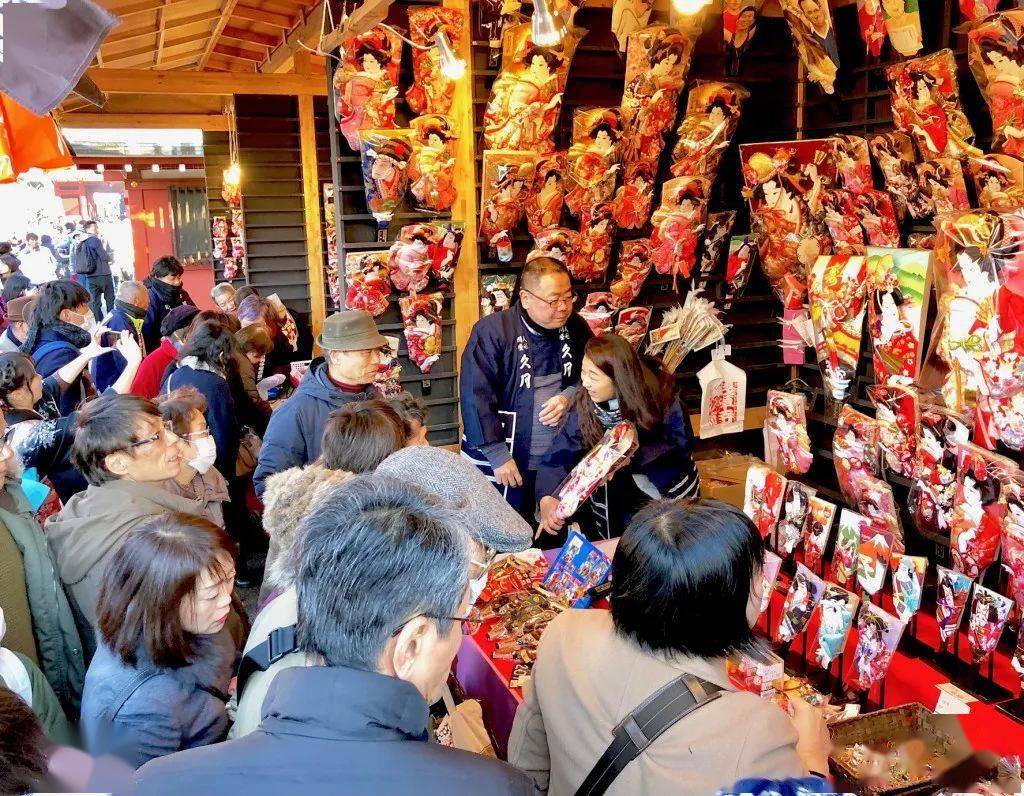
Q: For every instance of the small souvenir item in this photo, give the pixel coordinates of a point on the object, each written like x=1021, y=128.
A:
x=232, y=268
x=597, y=230
x=632, y=270
x=942, y=182
x=853, y=163
x=219, y=227
x=366, y=83
x=989, y=612
x=334, y=282
x=723, y=399
x=389, y=370
x=907, y=584
x=976, y=9
x=877, y=216
x=796, y=507
x=899, y=284
x=578, y=568
x=506, y=180
x=873, y=557
x=444, y=251
x=837, y=293
x=763, y=495
x=559, y=243
x=237, y=247
x=805, y=592
x=677, y=223
x=756, y=669
x=976, y=523
x=856, y=450
x=598, y=312
x=432, y=91
x=431, y=168
x=367, y=282
x=951, y=591
x=896, y=413
x=220, y=248
x=998, y=181
x=934, y=481
x=879, y=634
x=716, y=236
x=712, y=115
x=629, y=16
x=743, y=254
x=502, y=245
x=840, y=207
x=238, y=222
x=593, y=158
x=894, y=153
x=872, y=25
x=421, y=318
x=632, y=324
x=410, y=258
x=926, y=104
x=903, y=24
x=597, y=467
x=810, y=23
x=835, y=617
x=817, y=531
x=787, y=447
x=996, y=56
x=739, y=24
x=657, y=60
x=385, y=161
x=876, y=502
x=634, y=197
x=498, y=291
x=1013, y=542
x=526, y=98
x=844, y=558
x=770, y=567
x=547, y=194
x=684, y=329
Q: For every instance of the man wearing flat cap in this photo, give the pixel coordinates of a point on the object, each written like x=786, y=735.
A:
x=351, y=346
x=18, y=311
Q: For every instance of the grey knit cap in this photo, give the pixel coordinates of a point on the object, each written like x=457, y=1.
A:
x=492, y=521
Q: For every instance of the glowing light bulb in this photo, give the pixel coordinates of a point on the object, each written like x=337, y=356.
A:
x=452, y=67
x=99, y=168
x=181, y=167
x=545, y=30
x=156, y=167
x=128, y=168
x=689, y=7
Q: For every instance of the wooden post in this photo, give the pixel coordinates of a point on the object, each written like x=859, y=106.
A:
x=467, y=277
x=311, y=203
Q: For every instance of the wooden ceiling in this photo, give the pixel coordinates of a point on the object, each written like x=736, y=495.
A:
x=215, y=35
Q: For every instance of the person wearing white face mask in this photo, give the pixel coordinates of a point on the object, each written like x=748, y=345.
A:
x=185, y=409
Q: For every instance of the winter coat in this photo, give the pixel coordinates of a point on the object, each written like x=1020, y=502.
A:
x=162, y=299
x=329, y=730
x=107, y=368
x=9, y=344
x=588, y=677
x=145, y=711
x=51, y=351
x=91, y=527
x=30, y=569
x=91, y=257
x=297, y=426
x=220, y=407
x=253, y=410
x=150, y=374
x=44, y=703
x=210, y=489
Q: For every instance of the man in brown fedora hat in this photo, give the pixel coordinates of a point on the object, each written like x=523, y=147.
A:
x=18, y=311
x=351, y=346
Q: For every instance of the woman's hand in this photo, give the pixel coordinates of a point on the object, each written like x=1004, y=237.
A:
x=550, y=522
x=553, y=410
x=128, y=348
x=813, y=742
x=96, y=347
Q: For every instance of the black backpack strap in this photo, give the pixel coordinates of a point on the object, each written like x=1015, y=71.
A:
x=114, y=706
x=644, y=724
x=279, y=643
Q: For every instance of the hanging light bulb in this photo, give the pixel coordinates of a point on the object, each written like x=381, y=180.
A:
x=99, y=168
x=452, y=67
x=545, y=30
x=156, y=167
x=233, y=175
x=181, y=167
x=128, y=168
x=689, y=7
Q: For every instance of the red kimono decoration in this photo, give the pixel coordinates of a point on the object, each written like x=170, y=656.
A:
x=559, y=243
x=873, y=557
x=876, y=502
x=995, y=52
x=422, y=250
x=632, y=271
x=634, y=197
x=632, y=324
x=599, y=311
x=432, y=166
x=677, y=224
x=712, y=115
x=597, y=230
x=978, y=510
x=942, y=182
x=872, y=25
x=796, y=507
x=926, y=105
x=739, y=24
x=989, y=612
x=743, y=254
x=853, y=163
x=878, y=636
x=445, y=250
x=838, y=293
x=1013, y=542
x=951, y=591
x=657, y=61
x=762, y=500
x=593, y=158
x=366, y=83
x=977, y=9
x=421, y=318
x=877, y=216
x=526, y=98
x=817, y=531
x=506, y=180
x=431, y=91
x=894, y=153
x=385, y=161
x=787, y=447
x=840, y=206
x=367, y=283
x=998, y=182
x=546, y=198
x=856, y=452
x=899, y=288
x=810, y=22
x=934, y=482
x=896, y=412
x=716, y=236
x=903, y=24
x=805, y=592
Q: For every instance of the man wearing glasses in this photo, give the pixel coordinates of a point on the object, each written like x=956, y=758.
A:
x=519, y=371
x=126, y=451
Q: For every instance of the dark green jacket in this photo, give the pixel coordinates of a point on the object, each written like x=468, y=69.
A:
x=61, y=656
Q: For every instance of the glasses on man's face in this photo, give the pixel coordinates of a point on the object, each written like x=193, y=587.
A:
x=165, y=434
x=559, y=301
x=466, y=621
x=194, y=435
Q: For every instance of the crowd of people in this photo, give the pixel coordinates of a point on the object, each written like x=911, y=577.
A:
x=151, y=459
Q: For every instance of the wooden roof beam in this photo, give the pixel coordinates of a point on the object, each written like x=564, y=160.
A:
x=305, y=33
x=157, y=81
x=283, y=21
x=226, y=10
x=142, y=121
x=161, y=33
x=240, y=53
x=169, y=24
x=169, y=44
x=144, y=7
x=250, y=37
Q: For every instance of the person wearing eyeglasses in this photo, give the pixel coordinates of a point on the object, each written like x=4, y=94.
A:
x=383, y=587
x=126, y=451
x=519, y=372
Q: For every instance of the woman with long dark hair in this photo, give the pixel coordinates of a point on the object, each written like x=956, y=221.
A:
x=618, y=385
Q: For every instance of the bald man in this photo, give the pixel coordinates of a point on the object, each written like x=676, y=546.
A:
x=130, y=307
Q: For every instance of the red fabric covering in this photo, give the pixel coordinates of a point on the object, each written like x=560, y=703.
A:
x=151, y=370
